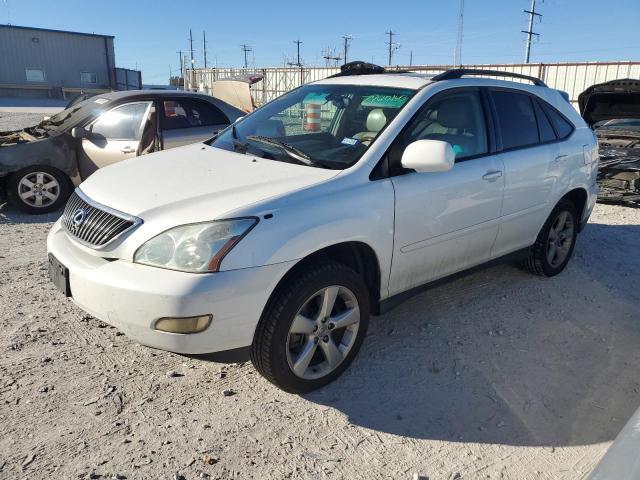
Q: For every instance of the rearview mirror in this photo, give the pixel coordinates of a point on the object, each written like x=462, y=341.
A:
x=429, y=156
x=80, y=132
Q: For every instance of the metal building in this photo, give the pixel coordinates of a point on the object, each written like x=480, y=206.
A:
x=40, y=62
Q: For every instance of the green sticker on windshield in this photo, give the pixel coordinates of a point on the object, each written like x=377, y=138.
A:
x=384, y=101
x=314, y=97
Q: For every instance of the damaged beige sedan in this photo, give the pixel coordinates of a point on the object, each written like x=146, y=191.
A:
x=40, y=165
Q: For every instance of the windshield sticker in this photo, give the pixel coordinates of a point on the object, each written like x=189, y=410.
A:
x=384, y=101
x=352, y=142
x=315, y=98
x=100, y=101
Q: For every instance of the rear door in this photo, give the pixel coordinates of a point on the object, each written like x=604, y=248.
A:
x=446, y=222
x=115, y=136
x=187, y=120
x=533, y=163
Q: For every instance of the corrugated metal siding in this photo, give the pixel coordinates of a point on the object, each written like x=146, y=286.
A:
x=62, y=56
x=572, y=78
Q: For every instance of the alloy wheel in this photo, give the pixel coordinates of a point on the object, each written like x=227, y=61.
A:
x=560, y=239
x=38, y=189
x=323, y=332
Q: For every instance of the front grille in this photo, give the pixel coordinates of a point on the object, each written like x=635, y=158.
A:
x=93, y=224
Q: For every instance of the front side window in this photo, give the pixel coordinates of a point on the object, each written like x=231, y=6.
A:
x=122, y=123
x=191, y=113
x=34, y=75
x=456, y=118
x=327, y=126
x=516, y=119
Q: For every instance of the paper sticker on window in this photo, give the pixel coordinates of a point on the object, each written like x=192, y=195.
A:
x=350, y=141
x=384, y=101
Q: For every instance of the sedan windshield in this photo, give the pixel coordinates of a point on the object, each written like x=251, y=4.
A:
x=326, y=126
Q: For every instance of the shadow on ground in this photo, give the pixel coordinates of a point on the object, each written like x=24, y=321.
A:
x=504, y=357
x=10, y=215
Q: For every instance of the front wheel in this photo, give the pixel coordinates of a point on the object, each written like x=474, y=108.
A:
x=556, y=241
x=312, y=329
x=38, y=189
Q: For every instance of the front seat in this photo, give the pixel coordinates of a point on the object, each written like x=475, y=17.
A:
x=376, y=121
x=454, y=115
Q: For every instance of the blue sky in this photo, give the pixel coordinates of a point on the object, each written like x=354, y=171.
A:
x=149, y=33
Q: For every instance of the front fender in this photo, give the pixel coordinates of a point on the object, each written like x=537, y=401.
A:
x=309, y=223
x=58, y=152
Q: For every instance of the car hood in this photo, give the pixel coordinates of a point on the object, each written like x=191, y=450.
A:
x=610, y=100
x=196, y=183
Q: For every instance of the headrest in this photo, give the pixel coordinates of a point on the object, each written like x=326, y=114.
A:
x=455, y=113
x=376, y=120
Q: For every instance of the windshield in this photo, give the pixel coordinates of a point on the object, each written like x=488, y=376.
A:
x=74, y=113
x=327, y=126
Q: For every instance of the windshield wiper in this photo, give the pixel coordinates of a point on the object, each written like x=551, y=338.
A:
x=293, y=152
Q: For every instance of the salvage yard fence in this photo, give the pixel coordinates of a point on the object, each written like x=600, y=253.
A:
x=572, y=78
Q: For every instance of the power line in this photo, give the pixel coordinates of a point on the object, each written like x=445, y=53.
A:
x=393, y=46
x=246, y=48
x=532, y=14
x=457, y=56
x=347, y=40
x=329, y=55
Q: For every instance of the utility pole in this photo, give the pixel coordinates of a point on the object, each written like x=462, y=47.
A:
x=191, y=47
x=457, y=55
x=298, y=63
x=181, y=69
x=411, y=58
x=346, y=39
x=392, y=46
x=204, y=47
x=246, y=49
x=329, y=55
x=532, y=14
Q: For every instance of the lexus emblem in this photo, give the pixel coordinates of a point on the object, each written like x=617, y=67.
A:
x=77, y=219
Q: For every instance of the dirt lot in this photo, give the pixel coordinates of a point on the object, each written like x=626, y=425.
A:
x=496, y=375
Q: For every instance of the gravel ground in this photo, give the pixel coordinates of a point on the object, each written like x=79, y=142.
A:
x=498, y=374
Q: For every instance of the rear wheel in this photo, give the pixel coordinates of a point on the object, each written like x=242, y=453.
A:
x=556, y=241
x=38, y=189
x=312, y=329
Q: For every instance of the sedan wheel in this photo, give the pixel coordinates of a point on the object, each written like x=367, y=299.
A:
x=38, y=189
x=323, y=332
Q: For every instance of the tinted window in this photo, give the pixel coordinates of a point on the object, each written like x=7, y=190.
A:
x=122, y=123
x=544, y=126
x=457, y=118
x=516, y=119
x=563, y=128
x=191, y=113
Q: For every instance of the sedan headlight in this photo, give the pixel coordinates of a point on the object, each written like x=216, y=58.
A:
x=198, y=247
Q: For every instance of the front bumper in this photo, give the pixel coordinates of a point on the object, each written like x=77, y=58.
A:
x=132, y=297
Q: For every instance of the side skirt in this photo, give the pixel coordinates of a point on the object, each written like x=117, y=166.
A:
x=390, y=303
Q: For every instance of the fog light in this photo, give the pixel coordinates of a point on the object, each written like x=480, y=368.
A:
x=183, y=324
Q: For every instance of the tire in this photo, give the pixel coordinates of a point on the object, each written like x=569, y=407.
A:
x=34, y=180
x=278, y=351
x=539, y=261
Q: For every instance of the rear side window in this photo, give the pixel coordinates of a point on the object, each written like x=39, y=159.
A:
x=544, y=126
x=191, y=113
x=562, y=127
x=516, y=118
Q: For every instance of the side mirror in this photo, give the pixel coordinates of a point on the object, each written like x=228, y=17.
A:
x=429, y=156
x=80, y=132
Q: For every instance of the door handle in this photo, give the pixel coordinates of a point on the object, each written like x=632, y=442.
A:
x=127, y=150
x=560, y=158
x=492, y=176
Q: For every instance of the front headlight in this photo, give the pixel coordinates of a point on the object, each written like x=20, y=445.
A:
x=199, y=247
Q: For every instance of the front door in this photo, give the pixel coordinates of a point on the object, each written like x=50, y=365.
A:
x=446, y=222
x=114, y=136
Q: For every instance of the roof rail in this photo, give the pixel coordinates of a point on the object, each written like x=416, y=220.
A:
x=460, y=72
x=358, y=68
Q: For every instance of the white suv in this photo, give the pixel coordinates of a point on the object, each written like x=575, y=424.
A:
x=281, y=235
